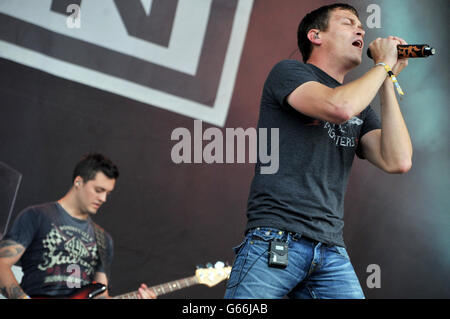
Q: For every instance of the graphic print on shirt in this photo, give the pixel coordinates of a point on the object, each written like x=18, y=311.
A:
x=64, y=247
x=346, y=134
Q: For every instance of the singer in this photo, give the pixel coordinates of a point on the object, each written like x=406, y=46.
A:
x=294, y=235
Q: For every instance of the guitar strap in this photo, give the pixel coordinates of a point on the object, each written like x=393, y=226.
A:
x=100, y=238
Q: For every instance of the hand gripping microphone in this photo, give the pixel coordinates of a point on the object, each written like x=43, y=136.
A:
x=411, y=51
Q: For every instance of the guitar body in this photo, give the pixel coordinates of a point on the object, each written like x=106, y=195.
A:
x=87, y=292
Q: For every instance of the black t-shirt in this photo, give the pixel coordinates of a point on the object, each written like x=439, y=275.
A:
x=61, y=251
x=306, y=194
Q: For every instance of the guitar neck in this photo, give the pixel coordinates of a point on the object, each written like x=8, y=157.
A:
x=164, y=288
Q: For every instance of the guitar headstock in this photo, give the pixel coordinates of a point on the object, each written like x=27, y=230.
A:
x=211, y=276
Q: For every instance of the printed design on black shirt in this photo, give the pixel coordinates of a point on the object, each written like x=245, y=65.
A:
x=346, y=134
x=67, y=246
x=353, y=121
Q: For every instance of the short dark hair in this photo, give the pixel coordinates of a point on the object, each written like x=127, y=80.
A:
x=92, y=163
x=317, y=19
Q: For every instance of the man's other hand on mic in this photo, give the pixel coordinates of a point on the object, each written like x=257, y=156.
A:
x=385, y=50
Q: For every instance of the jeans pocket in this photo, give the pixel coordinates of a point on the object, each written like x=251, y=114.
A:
x=238, y=248
x=238, y=264
x=341, y=251
x=265, y=234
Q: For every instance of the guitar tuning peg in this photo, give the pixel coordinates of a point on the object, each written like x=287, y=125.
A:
x=219, y=264
x=209, y=265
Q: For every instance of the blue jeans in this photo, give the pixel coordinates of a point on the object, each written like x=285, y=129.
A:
x=314, y=270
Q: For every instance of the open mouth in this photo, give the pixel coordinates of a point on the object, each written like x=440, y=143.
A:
x=358, y=44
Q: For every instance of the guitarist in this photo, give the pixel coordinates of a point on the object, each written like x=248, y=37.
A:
x=58, y=245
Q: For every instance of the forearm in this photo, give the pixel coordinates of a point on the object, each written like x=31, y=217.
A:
x=355, y=96
x=358, y=94
x=396, y=147
x=10, y=253
x=9, y=287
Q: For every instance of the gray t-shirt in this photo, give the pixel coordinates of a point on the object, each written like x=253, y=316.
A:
x=306, y=195
x=61, y=251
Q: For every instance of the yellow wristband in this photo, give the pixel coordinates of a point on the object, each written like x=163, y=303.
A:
x=392, y=76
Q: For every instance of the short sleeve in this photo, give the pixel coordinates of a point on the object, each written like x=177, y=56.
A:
x=24, y=227
x=110, y=250
x=285, y=77
x=109, y=254
x=371, y=122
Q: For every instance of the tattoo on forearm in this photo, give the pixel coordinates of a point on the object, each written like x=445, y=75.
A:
x=12, y=292
x=9, y=248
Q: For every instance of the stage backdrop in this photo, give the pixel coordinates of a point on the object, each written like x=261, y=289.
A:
x=119, y=77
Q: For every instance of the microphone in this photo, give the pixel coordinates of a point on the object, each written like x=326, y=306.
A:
x=411, y=51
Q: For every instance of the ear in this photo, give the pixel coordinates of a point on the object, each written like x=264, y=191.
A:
x=314, y=36
x=77, y=181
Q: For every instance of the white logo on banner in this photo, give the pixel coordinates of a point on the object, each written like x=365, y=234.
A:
x=106, y=25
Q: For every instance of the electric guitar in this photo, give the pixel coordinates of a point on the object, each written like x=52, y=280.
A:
x=206, y=276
